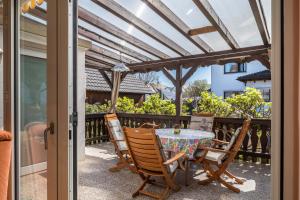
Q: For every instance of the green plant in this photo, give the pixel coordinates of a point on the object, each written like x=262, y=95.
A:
x=211, y=103
x=126, y=105
x=155, y=105
x=250, y=103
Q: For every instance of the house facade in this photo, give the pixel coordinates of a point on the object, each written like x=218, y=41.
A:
x=233, y=78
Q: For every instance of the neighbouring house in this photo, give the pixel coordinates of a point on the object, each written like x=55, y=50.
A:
x=98, y=90
x=260, y=80
x=233, y=78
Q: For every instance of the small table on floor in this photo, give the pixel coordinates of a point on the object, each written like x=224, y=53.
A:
x=187, y=141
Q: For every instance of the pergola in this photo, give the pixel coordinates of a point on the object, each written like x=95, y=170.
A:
x=165, y=35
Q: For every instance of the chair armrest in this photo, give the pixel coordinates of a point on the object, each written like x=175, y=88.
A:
x=220, y=141
x=216, y=150
x=175, y=158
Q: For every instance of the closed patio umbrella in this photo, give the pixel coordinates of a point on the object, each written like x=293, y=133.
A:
x=117, y=71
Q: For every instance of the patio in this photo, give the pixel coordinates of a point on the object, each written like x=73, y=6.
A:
x=96, y=182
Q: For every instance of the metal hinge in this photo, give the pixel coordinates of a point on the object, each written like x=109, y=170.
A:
x=74, y=119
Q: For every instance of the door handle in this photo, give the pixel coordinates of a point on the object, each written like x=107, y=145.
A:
x=49, y=129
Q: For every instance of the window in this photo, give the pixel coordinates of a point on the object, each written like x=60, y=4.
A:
x=230, y=93
x=235, y=68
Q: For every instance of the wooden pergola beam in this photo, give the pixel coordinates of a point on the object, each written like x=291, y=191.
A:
x=188, y=74
x=202, y=30
x=106, y=78
x=164, y=12
x=100, y=58
x=96, y=65
x=205, y=7
x=102, y=24
x=111, y=44
x=111, y=54
x=178, y=99
x=130, y=18
x=200, y=59
x=260, y=20
x=168, y=74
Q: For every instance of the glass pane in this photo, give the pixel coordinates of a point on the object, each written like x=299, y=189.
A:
x=146, y=14
x=240, y=22
x=32, y=102
x=104, y=14
x=190, y=14
x=267, y=8
x=114, y=39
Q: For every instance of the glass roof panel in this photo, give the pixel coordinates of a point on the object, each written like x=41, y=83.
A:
x=146, y=14
x=215, y=40
x=239, y=20
x=188, y=12
x=102, y=13
x=267, y=7
x=115, y=39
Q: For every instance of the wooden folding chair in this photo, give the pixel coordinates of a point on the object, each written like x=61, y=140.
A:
x=149, y=158
x=117, y=138
x=222, y=158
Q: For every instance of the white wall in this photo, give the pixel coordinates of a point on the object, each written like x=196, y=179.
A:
x=81, y=95
x=221, y=82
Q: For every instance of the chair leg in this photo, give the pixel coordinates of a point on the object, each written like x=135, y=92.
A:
x=135, y=194
x=230, y=175
x=120, y=165
x=228, y=185
x=170, y=182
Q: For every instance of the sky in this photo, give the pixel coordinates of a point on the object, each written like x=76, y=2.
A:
x=201, y=74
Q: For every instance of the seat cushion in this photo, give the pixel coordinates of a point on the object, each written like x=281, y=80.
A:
x=118, y=134
x=215, y=156
x=5, y=136
x=172, y=167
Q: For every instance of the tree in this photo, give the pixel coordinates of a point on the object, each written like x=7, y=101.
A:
x=195, y=89
x=249, y=103
x=211, y=103
x=155, y=105
x=148, y=78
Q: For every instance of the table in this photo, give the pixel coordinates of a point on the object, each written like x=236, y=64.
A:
x=187, y=141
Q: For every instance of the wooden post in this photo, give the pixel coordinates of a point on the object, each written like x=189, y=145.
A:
x=178, y=100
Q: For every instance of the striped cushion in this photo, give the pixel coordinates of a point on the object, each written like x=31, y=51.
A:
x=118, y=134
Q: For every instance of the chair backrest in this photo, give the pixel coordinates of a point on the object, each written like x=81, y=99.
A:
x=202, y=122
x=115, y=131
x=145, y=150
x=239, y=136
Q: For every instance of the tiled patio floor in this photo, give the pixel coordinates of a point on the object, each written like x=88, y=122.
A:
x=97, y=183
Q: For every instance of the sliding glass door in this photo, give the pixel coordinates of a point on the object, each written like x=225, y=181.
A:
x=42, y=67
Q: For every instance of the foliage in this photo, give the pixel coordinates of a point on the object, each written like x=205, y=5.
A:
x=125, y=105
x=96, y=108
x=211, y=103
x=155, y=105
x=249, y=103
x=195, y=89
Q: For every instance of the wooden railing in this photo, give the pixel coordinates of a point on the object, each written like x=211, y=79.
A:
x=257, y=143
